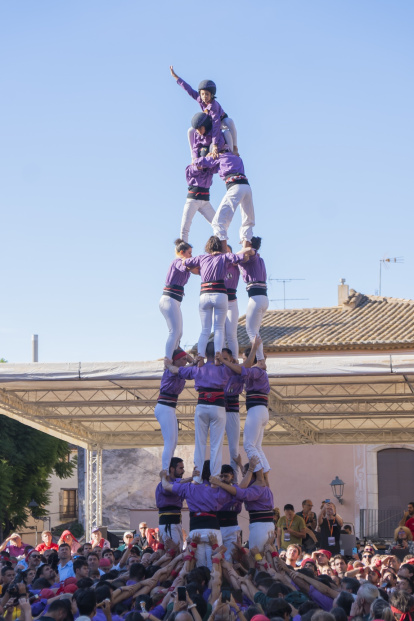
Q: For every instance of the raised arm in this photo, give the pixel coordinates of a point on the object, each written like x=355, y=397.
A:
x=257, y=341
x=188, y=89
x=169, y=365
x=165, y=482
x=219, y=483
x=248, y=476
x=321, y=516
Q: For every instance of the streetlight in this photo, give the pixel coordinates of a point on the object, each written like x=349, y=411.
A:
x=337, y=487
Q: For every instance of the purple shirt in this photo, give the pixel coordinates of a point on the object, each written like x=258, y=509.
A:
x=256, y=379
x=213, y=109
x=202, y=497
x=235, y=385
x=16, y=550
x=213, y=267
x=163, y=498
x=158, y=611
x=231, y=279
x=232, y=505
x=207, y=376
x=202, y=178
x=225, y=164
x=172, y=383
x=177, y=274
x=256, y=498
x=324, y=601
x=254, y=269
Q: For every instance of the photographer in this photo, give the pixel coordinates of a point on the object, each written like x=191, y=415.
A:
x=403, y=543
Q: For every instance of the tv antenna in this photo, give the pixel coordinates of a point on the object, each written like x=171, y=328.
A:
x=386, y=262
x=284, y=299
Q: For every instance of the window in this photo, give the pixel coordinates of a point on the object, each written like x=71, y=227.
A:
x=69, y=506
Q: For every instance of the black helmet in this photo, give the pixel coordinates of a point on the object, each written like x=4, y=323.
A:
x=207, y=85
x=200, y=119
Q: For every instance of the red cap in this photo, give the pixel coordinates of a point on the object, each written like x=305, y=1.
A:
x=307, y=560
x=260, y=618
x=69, y=581
x=46, y=594
x=104, y=562
x=326, y=552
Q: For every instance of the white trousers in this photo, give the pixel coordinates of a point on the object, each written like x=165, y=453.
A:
x=239, y=194
x=259, y=534
x=192, y=205
x=176, y=533
x=213, y=418
x=233, y=437
x=169, y=428
x=256, y=421
x=209, y=303
x=228, y=128
x=232, y=319
x=203, y=550
x=256, y=308
x=171, y=310
x=230, y=536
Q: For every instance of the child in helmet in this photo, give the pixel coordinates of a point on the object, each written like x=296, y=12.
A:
x=206, y=97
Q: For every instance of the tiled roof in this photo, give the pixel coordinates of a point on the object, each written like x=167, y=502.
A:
x=362, y=322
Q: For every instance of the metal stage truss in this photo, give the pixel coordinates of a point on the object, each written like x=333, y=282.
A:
x=341, y=399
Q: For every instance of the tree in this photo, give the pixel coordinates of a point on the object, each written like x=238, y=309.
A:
x=27, y=458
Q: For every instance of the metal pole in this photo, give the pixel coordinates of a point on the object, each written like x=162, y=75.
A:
x=93, y=493
x=35, y=348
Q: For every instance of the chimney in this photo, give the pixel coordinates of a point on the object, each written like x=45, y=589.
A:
x=343, y=292
x=35, y=348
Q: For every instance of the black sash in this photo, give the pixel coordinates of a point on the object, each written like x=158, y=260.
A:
x=200, y=194
x=174, y=291
x=201, y=519
x=227, y=518
x=260, y=516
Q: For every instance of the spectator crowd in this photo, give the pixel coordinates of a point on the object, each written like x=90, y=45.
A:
x=299, y=573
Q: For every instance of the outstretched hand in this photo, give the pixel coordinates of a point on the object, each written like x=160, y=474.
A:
x=257, y=341
x=174, y=75
x=238, y=461
x=254, y=461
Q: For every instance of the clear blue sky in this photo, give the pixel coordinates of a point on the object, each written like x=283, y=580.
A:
x=93, y=149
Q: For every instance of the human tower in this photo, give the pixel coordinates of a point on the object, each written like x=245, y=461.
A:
x=218, y=376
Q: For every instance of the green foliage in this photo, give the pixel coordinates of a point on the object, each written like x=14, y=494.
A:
x=27, y=458
x=75, y=528
x=3, y=360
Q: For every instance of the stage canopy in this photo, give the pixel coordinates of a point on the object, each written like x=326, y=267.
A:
x=325, y=399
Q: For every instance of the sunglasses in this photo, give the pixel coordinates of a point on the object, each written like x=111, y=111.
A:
x=34, y=556
x=367, y=556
